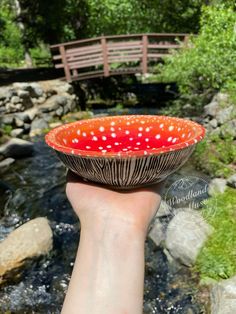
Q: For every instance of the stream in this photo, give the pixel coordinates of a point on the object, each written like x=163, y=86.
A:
x=38, y=189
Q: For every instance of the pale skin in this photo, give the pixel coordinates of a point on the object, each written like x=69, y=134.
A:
x=108, y=274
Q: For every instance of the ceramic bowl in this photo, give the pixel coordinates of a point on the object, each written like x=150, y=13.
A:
x=125, y=151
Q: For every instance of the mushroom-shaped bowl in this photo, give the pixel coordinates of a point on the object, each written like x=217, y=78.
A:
x=125, y=151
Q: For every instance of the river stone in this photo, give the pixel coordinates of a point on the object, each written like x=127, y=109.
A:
x=15, y=100
x=37, y=126
x=185, y=236
x=17, y=132
x=5, y=164
x=32, y=239
x=7, y=119
x=223, y=297
x=213, y=123
x=229, y=129
x=51, y=104
x=17, y=148
x=157, y=232
x=32, y=113
x=216, y=186
x=212, y=109
x=18, y=122
x=232, y=181
x=225, y=115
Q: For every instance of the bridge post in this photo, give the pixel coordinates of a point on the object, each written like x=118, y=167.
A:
x=65, y=64
x=145, y=55
x=105, y=56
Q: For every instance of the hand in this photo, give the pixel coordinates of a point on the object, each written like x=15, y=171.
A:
x=97, y=205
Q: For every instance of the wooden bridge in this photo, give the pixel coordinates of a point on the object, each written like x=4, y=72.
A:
x=114, y=55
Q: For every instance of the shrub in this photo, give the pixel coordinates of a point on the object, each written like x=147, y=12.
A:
x=208, y=62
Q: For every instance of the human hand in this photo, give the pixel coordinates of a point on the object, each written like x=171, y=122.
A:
x=97, y=205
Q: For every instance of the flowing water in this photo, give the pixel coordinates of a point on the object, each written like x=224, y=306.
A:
x=38, y=189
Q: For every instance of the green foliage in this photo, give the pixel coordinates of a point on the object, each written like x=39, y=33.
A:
x=216, y=156
x=111, y=17
x=11, y=50
x=217, y=258
x=209, y=60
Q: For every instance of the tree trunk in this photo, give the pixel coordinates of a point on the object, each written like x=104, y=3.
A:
x=28, y=59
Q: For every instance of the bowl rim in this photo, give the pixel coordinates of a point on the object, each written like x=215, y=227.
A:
x=51, y=141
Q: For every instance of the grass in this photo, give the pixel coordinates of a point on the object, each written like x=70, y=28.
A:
x=217, y=259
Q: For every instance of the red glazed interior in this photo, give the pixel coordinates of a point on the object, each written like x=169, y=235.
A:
x=125, y=135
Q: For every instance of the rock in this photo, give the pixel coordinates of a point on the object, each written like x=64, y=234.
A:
x=225, y=115
x=55, y=124
x=15, y=100
x=16, y=148
x=32, y=113
x=223, y=297
x=216, y=186
x=10, y=108
x=35, y=90
x=213, y=123
x=157, y=233
x=18, y=122
x=5, y=164
x=6, y=93
x=59, y=112
x=64, y=88
x=23, y=116
x=185, y=236
x=17, y=132
x=221, y=98
x=27, y=127
x=7, y=119
x=32, y=239
x=51, y=104
x=37, y=126
x=164, y=210
x=212, y=109
x=23, y=94
x=232, y=181
x=229, y=129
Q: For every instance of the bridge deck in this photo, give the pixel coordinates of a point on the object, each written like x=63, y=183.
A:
x=113, y=55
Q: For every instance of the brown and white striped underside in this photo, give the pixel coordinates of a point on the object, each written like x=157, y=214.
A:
x=127, y=172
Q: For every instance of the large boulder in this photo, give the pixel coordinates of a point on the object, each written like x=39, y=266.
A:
x=185, y=236
x=17, y=148
x=223, y=297
x=32, y=239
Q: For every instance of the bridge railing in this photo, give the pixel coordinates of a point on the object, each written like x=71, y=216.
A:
x=112, y=55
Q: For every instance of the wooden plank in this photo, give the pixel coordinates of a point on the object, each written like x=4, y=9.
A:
x=145, y=58
x=105, y=57
x=158, y=46
x=82, y=58
x=84, y=50
x=64, y=61
x=125, y=59
x=85, y=64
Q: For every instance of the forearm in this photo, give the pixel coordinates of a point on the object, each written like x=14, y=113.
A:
x=108, y=273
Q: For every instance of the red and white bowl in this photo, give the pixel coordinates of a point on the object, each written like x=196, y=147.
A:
x=126, y=151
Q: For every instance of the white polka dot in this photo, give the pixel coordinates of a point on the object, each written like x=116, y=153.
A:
x=124, y=149
x=94, y=138
x=142, y=122
x=112, y=123
x=140, y=135
x=189, y=135
x=78, y=132
x=104, y=138
x=104, y=151
x=183, y=135
x=127, y=132
x=145, y=152
x=148, y=146
x=92, y=133
x=140, y=128
x=101, y=129
x=100, y=147
x=195, y=141
x=136, y=148
x=147, y=129
x=171, y=128
x=158, y=136
x=88, y=147
x=179, y=129
x=138, y=143
x=131, y=139
x=174, y=140
x=146, y=139
x=113, y=135
x=169, y=139
x=161, y=125
x=128, y=123
x=65, y=141
x=117, y=144
x=108, y=146
x=112, y=129
x=72, y=151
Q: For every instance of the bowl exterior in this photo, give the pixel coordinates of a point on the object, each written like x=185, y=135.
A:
x=127, y=172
